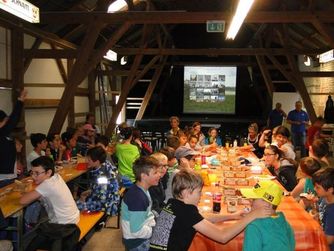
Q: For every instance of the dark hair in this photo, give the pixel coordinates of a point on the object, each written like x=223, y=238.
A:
x=97, y=153
x=3, y=115
x=104, y=140
x=173, y=141
x=37, y=138
x=320, y=148
x=143, y=165
x=136, y=134
x=309, y=165
x=276, y=150
x=51, y=137
x=45, y=162
x=196, y=123
x=126, y=132
x=66, y=136
x=282, y=130
x=168, y=151
x=324, y=177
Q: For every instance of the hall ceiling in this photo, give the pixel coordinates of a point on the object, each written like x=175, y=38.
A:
x=173, y=32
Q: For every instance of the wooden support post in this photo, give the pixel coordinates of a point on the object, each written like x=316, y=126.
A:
x=61, y=67
x=266, y=75
x=71, y=112
x=150, y=89
x=91, y=91
x=34, y=47
x=17, y=68
x=85, y=63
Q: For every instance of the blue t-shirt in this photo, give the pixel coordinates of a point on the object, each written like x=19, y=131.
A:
x=300, y=116
x=275, y=118
x=329, y=222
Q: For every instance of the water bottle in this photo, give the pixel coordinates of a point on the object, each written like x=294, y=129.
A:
x=235, y=143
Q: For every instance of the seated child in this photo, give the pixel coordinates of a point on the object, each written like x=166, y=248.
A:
x=103, y=194
x=186, y=157
x=308, y=166
x=213, y=139
x=193, y=143
x=179, y=221
x=157, y=193
x=69, y=139
x=38, y=141
x=323, y=181
x=58, y=202
x=270, y=233
x=56, y=148
x=137, y=218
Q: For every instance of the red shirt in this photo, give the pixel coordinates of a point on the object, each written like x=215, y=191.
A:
x=313, y=133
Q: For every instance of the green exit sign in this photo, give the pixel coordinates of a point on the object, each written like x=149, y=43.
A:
x=215, y=26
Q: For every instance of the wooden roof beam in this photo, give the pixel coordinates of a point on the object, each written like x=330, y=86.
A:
x=177, y=17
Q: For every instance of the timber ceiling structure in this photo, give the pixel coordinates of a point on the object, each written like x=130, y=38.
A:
x=158, y=33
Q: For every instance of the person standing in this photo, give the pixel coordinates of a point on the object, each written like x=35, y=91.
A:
x=276, y=116
x=7, y=143
x=298, y=120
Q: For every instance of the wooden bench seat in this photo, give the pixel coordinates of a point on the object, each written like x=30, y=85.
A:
x=88, y=221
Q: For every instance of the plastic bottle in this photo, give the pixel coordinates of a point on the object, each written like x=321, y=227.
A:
x=235, y=143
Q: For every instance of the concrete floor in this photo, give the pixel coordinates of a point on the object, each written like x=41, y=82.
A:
x=106, y=239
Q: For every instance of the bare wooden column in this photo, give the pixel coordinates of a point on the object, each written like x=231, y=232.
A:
x=17, y=71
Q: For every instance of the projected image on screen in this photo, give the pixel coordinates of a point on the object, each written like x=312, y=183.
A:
x=209, y=89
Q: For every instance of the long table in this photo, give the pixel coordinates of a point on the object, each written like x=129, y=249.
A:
x=10, y=202
x=10, y=197
x=309, y=235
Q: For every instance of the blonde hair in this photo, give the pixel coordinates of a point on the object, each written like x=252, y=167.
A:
x=159, y=156
x=184, y=180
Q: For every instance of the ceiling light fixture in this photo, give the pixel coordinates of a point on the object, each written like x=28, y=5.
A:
x=117, y=6
x=239, y=17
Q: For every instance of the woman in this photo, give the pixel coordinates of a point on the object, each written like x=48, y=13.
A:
x=284, y=174
x=196, y=130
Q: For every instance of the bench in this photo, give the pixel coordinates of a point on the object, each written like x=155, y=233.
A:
x=87, y=222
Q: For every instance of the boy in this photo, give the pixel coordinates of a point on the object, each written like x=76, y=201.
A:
x=39, y=142
x=103, y=195
x=58, y=202
x=179, y=221
x=136, y=217
x=186, y=157
x=323, y=181
x=157, y=193
x=270, y=233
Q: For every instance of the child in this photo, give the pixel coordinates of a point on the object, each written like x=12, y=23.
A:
x=270, y=233
x=103, y=195
x=56, y=148
x=323, y=181
x=192, y=143
x=213, y=139
x=69, y=139
x=136, y=217
x=308, y=166
x=58, y=202
x=38, y=141
x=157, y=193
x=179, y=221
x=186, y=157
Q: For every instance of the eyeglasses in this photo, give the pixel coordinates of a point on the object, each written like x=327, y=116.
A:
x=32, y=173
x=163, y=166
x=268, y=154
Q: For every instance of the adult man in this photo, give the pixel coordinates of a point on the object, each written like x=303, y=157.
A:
x=298, y=120
x=275, y=117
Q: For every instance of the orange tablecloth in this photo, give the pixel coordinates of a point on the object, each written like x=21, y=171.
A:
x=308, y=233
x=10, y=204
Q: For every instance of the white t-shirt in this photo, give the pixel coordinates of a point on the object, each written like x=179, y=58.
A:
x=32, y=156
x=58, y=201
